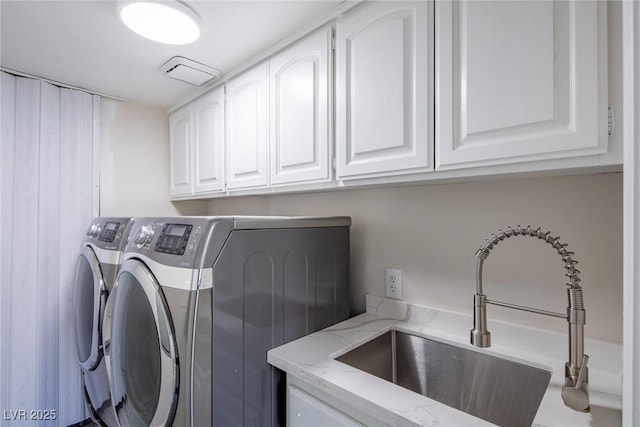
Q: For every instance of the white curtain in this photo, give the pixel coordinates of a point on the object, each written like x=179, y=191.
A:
x=49, y=194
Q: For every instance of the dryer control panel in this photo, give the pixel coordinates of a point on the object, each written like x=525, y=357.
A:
x=182, y=242
x=173, y=239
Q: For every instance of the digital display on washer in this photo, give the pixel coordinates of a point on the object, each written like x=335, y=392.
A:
x=108, y=233
x=176, y=230
x=173, y=239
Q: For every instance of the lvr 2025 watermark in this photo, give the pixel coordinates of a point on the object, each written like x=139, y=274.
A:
x=29, y=414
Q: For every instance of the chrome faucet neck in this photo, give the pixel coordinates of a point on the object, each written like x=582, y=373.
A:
x=575, y=392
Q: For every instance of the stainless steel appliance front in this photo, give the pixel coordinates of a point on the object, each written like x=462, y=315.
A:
x=200, y=300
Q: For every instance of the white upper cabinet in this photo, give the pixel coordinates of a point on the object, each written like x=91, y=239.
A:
x=409, y=91
x=247, y=135
x=180, y=176
x=384, y=90
x=299, y=115
x=519, y=81
x=208, y=128
x=197, y=146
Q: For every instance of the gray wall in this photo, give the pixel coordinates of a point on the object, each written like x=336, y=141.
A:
x=134, y=163
x=431, y=233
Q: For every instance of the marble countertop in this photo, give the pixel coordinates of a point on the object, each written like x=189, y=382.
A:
x=312, y=360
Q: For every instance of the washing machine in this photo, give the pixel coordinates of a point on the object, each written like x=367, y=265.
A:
x=199, y=301
x=96, y=271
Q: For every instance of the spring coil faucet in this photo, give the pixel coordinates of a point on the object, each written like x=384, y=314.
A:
x=575, y=391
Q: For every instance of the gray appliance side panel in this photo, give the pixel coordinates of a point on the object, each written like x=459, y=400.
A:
x=182, y=310
x=270, y=287
x=109, y=274
x=202, y=360
x=97, y=393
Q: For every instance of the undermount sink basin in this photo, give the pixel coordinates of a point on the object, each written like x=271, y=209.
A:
x=497, y=390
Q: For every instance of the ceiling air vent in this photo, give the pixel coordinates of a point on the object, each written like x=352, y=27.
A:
x=189, y=71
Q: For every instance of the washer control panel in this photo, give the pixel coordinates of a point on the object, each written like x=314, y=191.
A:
x=173, y=239
x=109, y=231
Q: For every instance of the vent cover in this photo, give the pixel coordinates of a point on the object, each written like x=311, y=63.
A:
x=189, y=71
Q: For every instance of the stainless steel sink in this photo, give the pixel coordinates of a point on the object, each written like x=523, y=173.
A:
x=497, y=390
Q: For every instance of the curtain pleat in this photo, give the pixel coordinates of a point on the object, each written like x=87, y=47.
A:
x=48, y=197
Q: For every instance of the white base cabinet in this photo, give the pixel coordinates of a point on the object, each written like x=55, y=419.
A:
x=196, y=147
x=305, y=410
x=312, y=406
x=520, y=81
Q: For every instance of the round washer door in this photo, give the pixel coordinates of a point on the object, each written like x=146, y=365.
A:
x=142, y=353
x=88, y=300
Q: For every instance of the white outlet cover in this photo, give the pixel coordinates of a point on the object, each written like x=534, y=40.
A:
x=393, y=283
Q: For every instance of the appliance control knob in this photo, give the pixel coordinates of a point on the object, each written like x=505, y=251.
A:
x=143, y=236
x=93, y=230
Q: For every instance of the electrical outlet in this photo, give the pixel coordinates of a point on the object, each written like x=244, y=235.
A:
x=393, y=283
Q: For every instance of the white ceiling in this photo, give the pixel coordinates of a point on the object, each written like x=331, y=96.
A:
x=83, y=43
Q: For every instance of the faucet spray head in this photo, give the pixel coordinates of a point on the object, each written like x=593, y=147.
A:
x=480, y=336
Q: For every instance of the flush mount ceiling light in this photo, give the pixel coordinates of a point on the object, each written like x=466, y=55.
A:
x=164, y=21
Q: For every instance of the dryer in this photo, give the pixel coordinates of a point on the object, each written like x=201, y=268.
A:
x=96, y=270
x=200, y=300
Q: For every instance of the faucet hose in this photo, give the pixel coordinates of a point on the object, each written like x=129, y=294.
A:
x=561, y=248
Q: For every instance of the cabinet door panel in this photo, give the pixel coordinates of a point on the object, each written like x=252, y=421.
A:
x=384, y=90
x=386, y=103
x=300, y=146
x=296, y=108
x=180, y=153
x=304, y=410
x=526, y=62
x=246, y=143
x=208, y=113
x=519, y=81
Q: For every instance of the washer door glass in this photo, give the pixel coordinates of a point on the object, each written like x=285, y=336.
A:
x=142, y=353
x=87, y=299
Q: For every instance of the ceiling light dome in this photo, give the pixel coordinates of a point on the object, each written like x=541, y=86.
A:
x=164, y=21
